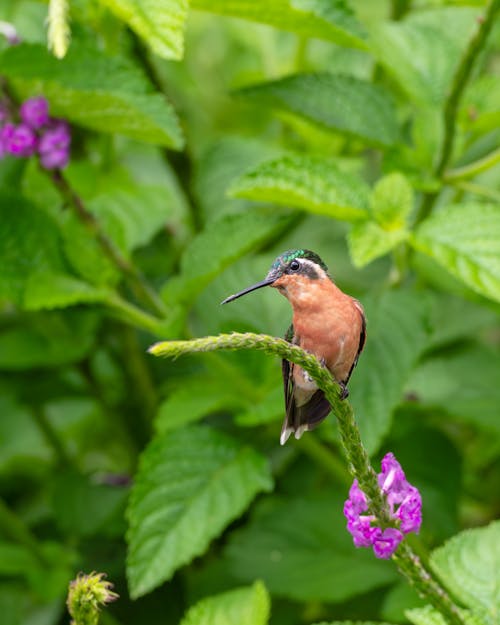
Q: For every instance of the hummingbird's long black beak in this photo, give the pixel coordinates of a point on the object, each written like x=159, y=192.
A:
x=254, y=287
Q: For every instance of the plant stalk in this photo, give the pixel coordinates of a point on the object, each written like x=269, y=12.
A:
x=410, y=565
x=137, y=282
x=474, y=169
x=358, y=461
x=459, y=82
x=129, y=313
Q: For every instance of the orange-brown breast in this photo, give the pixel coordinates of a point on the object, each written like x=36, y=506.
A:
x=326, y=321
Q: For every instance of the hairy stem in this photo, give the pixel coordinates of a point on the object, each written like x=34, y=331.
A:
x=459, y=82
x=410, y=565
x=357, y=457
x=137, y=282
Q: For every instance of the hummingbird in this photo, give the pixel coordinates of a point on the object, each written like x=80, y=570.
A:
x=326, y=322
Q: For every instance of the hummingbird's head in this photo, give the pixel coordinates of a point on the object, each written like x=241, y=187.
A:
x=291, y=267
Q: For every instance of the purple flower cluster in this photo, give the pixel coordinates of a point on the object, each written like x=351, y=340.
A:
x=37, y=133
x=405, y=506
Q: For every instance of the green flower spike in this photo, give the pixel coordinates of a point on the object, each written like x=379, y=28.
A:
x=86, y=593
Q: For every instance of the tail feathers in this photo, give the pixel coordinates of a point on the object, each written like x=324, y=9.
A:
x=300, y=419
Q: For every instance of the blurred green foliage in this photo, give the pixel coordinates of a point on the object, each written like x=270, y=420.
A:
x=208, y=137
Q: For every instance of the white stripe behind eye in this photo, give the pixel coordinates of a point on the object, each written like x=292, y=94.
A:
x=319, y=270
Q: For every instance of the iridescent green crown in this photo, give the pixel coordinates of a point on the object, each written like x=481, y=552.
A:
x=290, y=255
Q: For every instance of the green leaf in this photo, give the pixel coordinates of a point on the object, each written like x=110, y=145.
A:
x=336, y=102
x=395, y=338
x=469, y=565
x=368, y=241
x=352, y=623
x=16, y=559
x=103, y=93
x=269, y=409
x=301, y=550
x=128, y=213
x=223, y=241
x=398, y=599
x=192, y=401
x=392, y=201
x=23, y=444
x=219, y=165
x=422, y=52
x=425, y=453
x=47, y=339
x=332, y=20
x=191, y=484
x=85, y=254
x=454, y=319
x=29, y=243
x=465, y=240
x=429, y=616
x=481, y=104
x=49, y=290
x=84, y=508
x=463, y=385
x=309, y=182
x=391, y=204
x=131, y=215
x=244, y=606
x=160, y=24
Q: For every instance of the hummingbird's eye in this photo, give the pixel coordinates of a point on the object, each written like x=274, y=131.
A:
x=294, y=265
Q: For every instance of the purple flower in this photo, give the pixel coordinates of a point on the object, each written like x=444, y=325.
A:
x=18, y=140
x=35, y=112
x=357, y=501
x=54, y=145
x=386, y=542
x=410, y=511
x=362, y=532
x=405, y=506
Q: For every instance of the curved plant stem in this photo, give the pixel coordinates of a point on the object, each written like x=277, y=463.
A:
x=131, y=314
x=137, y=282
x=460, y=79
x=475, y=168
x=358, y=461
x=410, y=565
x=469, y=187
x=357, y=457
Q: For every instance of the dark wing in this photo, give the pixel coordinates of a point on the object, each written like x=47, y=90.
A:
x=287, y=370
x=308, y=415
x=362, y=337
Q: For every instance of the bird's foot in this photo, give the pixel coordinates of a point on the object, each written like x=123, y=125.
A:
x=344, y=391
